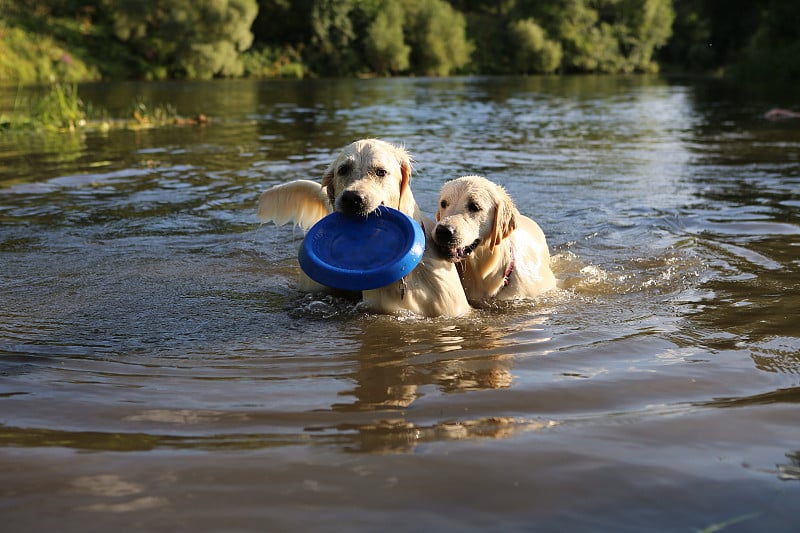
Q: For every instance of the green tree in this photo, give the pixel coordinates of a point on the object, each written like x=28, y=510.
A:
x=283, y=22
x=332, y=49
x=185, y=38
x=773, y=52
x=640, y=27
x=588, y=43
x=385, y=48
x=739, y=38
x=437, y=36
x=492, y=50
x=690, y=46
x=603, y=35
x=533, y=51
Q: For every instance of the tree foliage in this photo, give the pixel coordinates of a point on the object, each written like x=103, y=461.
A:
x=603, y=35
x=154, y=39
x=196, y=39
x=437, y=33
x=533, y=51
x=385, y=47
x=741, y=38
x=333, y=35
x=774, y=50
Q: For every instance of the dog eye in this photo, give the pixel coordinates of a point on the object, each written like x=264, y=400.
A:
x=344, y=169
x=444, y=204
x=472, y=206
x=381, y=172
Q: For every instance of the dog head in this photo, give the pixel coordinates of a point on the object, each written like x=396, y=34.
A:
x=473, y=212
x=369, y=173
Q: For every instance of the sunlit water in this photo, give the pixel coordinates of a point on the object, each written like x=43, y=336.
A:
x=159, y=370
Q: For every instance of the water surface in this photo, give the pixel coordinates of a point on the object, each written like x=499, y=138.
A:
x=160, y=371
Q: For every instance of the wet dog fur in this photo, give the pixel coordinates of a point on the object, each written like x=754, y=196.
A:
x=366, y=174
x=501, y=253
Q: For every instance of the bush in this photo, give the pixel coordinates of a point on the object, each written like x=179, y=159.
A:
x=273, y=63
x=196, y=39
x=641, y=27
x=437, y=35
x=332, y=50
x=607, y=36
x=385, y=49
x=533, y=51
x=31, y=58
x=773, y=52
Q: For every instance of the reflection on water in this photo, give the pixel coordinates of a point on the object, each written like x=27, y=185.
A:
x=146, y=311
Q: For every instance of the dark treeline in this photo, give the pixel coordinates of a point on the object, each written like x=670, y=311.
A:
x=200, y=39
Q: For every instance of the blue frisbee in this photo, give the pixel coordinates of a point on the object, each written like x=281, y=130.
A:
x=357, y=253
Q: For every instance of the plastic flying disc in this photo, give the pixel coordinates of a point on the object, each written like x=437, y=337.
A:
x=356, y=253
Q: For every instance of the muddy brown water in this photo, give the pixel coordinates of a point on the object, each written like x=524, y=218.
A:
x=159, y=371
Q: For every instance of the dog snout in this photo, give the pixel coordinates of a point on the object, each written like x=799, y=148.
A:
x=444, y=233
x=352, y=202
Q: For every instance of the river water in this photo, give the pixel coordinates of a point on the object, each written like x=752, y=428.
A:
x=160, y=371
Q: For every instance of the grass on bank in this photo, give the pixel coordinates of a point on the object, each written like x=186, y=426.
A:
x=27, y=57
x=61, y=109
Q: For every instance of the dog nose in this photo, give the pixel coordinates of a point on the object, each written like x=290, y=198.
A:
x=351, y=202
x=444, y=233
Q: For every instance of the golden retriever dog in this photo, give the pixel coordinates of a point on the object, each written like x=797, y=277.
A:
x=366, y=174
x=502, y=254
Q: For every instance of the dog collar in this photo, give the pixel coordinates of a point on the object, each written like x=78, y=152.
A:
x=510, y=267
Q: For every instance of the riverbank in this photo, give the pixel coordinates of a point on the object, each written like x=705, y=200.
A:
x=60, y=108
x=114, y=40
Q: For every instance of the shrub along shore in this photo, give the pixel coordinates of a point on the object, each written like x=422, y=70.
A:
x=62, y=42
x=72, y=40
x=60, y=108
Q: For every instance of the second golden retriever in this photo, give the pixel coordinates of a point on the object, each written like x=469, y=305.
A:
x=366, y=174
x=503, y=254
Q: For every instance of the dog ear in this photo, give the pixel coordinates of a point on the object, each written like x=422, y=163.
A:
x=505, y=220
x=328, y=185
x=404, y=159
x=405, y=182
